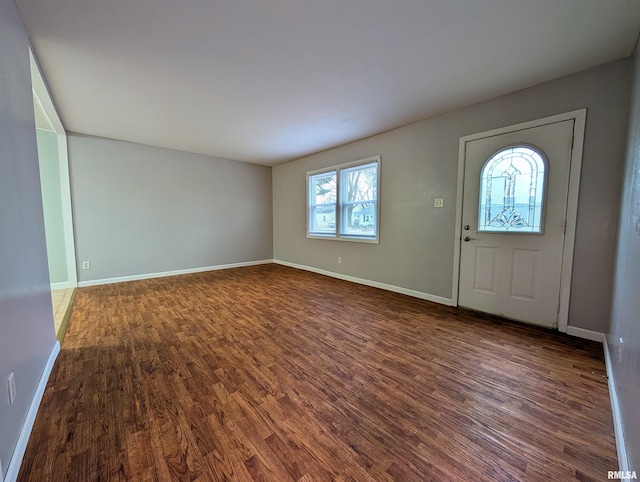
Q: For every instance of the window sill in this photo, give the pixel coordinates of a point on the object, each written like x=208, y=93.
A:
x=352, y=239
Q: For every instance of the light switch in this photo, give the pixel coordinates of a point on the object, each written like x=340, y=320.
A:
x=438, y=202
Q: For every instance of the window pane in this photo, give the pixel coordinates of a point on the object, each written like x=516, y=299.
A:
x=323, y=219
x=511, y=191
x=322, y=203
x=323, y=188
x=359, y=195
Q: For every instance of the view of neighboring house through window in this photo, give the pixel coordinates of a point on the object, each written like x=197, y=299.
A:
x=323, y=194
x=343, y=201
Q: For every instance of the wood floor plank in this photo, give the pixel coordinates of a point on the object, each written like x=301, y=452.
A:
x=271, y=373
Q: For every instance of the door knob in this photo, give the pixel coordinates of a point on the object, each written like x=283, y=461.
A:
x=467, y=239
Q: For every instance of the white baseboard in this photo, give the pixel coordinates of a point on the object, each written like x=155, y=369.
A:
x=623, y=461
x=64, y=285
x=25, y=433
x=138, y=277
x=586, y=334
x=374, y=284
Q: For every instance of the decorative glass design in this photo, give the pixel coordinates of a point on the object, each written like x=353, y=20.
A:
x=512, y=186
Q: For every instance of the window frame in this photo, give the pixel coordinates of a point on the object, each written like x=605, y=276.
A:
x=339, y=203
x=312, y=207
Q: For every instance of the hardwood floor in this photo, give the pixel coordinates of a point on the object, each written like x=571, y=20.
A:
x=269, y=373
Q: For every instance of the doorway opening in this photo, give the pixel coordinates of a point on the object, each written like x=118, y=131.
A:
x=56, y=200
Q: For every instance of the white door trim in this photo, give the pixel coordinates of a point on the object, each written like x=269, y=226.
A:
x=579, y=116
x=42, y=93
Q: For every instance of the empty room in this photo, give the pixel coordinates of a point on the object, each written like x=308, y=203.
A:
x=355, y=240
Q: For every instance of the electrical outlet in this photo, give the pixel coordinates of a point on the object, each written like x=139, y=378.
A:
x=620, y=351
x=438, y=202
x=339, y=259
x=11, y=387
x=86, y=265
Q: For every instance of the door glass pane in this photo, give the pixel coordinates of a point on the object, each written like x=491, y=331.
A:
x=512, y=191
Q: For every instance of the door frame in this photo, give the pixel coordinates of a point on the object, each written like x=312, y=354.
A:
x=579, y=117
x=41, y=91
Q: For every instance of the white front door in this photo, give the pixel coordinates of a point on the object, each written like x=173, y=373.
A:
x=514, y=215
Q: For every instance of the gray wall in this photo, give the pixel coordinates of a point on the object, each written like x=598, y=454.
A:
x=420, y=162
x=625, y=322
x=52, y=205
x=26, y=321
x=142, y=210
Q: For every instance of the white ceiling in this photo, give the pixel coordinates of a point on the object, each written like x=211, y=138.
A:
x=266, y=81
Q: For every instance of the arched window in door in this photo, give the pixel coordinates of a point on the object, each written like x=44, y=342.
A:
x=512, y=189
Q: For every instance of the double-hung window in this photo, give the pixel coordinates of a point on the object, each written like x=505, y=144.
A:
x=342, y=201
